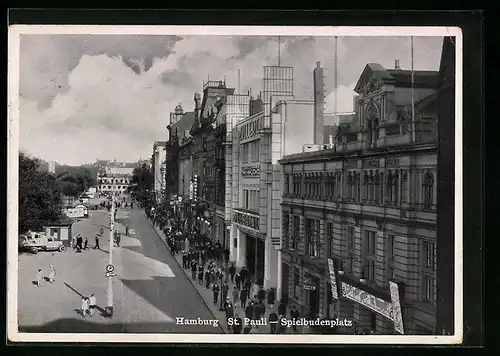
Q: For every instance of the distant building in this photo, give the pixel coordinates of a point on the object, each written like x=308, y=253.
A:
x=52, y=167
x=158, y=164
x=114, y=179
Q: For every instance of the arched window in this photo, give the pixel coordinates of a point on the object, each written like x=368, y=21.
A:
x=389, y=187
x=404, y=188
x=376, y=188
x=366, y=191
x=371, y=184
x=395, y=189
x=358, y=187
x=381, y=185
x=350, y=186
x=428, y=190
x=338, y=186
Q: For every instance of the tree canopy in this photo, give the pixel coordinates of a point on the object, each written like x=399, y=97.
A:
x=39, y=195
x=75, y=180
x=141, y=183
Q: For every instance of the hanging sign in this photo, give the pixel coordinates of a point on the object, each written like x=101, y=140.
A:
x=396, y=308
x=333, y=279
x=308, y=285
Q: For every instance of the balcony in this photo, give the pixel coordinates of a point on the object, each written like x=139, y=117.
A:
x=247, y=219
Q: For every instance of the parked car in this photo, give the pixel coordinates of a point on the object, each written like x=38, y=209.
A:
x=39, y=241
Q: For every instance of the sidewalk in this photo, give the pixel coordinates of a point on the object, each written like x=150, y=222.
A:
x=207, y=296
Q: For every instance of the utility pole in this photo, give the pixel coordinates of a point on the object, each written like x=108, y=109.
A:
x=110, y=261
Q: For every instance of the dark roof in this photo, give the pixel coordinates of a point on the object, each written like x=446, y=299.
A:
x=62, y=221
x=398, y=77
x=184, y=123
x=421, y=78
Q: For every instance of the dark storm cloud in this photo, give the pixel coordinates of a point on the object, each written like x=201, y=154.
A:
x=58, y=55
x=247, y=44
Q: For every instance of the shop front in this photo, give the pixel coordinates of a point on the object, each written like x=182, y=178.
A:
x=255, y=257
x=311, y=294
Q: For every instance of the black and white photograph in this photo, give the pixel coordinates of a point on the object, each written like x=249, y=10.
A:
x=203, y=183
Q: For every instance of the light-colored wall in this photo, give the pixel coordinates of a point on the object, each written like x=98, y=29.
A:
x=186, y=171
x=297, y=121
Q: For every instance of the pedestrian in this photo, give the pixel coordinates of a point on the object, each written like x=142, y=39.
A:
x=131, y=205
x=248, y=285
x=39, y=278
x=200, y=275
x=225, y=290
x=92, y=304
x=243, y=297
x=294, y=314
x=207, y=279
x=73, y=241
x=194, y=268
x=184, y=261
x=238, y=324
x=261, y=294
x=85, y=244
x=282, y=307
x=226, y=256
x=232, y=272
x=249, y=311
x=118, y=239
x=237, y=280
x=126, y=230
x=236, y=294
x=215, y=291
x=270, y=298
x=229, y=309
x=79, y=241
x=273, y=321
x=85, y=306
x=52, y=274
x=257, y=312
x=96, y=246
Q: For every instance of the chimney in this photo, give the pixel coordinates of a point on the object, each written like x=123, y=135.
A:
x=319, y=104
x=396, y=64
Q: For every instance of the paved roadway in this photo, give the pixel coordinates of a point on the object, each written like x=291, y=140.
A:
x=150, y=289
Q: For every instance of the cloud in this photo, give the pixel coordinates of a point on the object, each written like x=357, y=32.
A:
x=109, y=97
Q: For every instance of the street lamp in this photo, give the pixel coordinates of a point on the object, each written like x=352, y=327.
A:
x=110, y=261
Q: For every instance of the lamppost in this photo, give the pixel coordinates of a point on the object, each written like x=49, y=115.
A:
x=110, y=267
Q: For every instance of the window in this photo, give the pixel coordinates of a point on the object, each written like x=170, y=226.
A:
x=297, y=191
x=428, y=272
x=428, y=190
x=390, y=247
x=429, y=255
x=350, y=186
x=404, y=188
x=286, y=230
x=376, y=188
x=390, y=257
x=370, y=270
x=395, y=188
x=286, y=188
x=312, y=237
x=330, y=240
x=350, y=247
x=296, y=283
x=366, y=187
x=357, y=187
x=389, y=187
x=296, y=232
x=338, y=187
x=329, y=185
x=429, y=289
x=370, y=243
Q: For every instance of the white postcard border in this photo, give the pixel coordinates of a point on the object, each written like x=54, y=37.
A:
x=15, y=31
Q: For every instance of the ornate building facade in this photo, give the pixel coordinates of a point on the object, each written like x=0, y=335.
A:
x=369, y=205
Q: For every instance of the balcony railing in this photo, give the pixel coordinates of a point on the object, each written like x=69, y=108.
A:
x=250, y=220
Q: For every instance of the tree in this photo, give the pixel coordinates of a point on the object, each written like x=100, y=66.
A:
x=141, y=183
x=39, y=195
x=75, y=180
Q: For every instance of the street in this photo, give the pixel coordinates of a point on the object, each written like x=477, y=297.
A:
x=149, y=291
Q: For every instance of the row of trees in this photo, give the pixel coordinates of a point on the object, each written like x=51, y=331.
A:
x=40, y=193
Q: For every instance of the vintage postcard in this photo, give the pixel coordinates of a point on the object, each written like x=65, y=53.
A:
x=199, y=184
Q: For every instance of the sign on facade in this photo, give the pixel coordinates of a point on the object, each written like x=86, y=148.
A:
x=333, y=279
x=396, y=308
x=75, y=212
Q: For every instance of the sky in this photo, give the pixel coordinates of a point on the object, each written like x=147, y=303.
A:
x=88, y=97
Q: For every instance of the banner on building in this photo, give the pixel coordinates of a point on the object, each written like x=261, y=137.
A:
x=368, y=300
x=333, y=279
x=75, y=212
x=396, y=308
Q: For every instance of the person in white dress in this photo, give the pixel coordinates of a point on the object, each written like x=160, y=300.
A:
x=52, y=274
x=39, y=278
x=92, y=303
x=85, y=306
